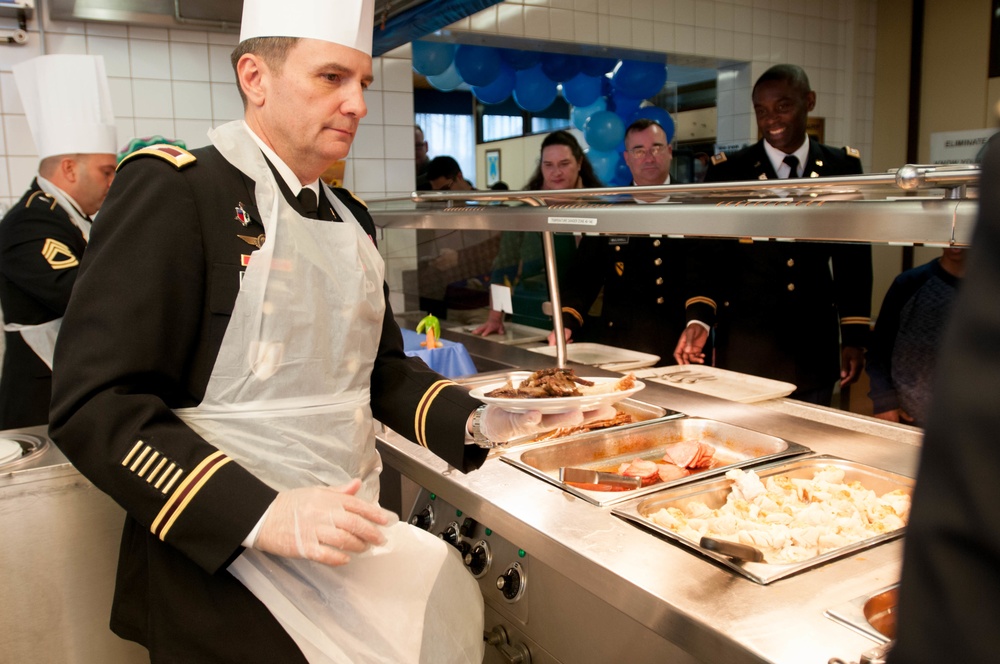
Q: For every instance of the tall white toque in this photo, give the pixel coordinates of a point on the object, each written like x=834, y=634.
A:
x=346, y=22
x=68, y=104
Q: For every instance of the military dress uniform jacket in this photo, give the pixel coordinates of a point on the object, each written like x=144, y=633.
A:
x=780, y=312
x=40, y=252
x=140, y=338
x=643, y=304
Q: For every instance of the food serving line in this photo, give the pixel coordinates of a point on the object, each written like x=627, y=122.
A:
x=570, y=581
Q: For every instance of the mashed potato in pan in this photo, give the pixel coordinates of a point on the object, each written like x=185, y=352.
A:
x=791, y=520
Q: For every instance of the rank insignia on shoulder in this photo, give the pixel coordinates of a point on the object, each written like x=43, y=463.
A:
x=58, y=255
x=352, y=194
x=178, y=157
x=852, y=152
x=718, y=158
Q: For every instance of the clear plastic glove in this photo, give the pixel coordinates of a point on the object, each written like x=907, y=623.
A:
x=324, y=524
x=499, y=425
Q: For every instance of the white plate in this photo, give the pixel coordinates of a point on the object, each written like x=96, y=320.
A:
x=600, y=355
x=556, y=404
x=10, y=450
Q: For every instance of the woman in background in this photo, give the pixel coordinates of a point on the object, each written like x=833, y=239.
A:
x=520, y=262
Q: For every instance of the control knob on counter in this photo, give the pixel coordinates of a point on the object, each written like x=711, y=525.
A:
x=479, y=558
x=423, y=519
x=511, y=583
x=452, y=535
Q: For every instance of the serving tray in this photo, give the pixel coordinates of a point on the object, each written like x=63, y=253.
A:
x=604, y=451
x=713, y=493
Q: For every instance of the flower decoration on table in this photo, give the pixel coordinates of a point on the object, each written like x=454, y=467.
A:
x=432, y=326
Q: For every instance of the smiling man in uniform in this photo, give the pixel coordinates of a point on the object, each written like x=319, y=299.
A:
x=781, y=312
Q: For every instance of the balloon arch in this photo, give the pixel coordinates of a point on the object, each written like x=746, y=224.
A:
x=602, y=106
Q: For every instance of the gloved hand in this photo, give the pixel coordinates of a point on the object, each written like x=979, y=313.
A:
x=500, y=425
x=324, y=524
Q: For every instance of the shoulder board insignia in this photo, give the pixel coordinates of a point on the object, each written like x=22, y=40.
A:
x=852, y=152
x=718, y=158
x=42, y=198
x=178, y=157
x=363, y=204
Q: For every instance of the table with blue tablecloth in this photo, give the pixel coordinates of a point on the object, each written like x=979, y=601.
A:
x=451, y=360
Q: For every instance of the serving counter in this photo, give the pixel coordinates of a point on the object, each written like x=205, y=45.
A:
x=597, y=588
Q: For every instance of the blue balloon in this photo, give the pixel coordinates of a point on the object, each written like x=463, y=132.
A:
x=659, y=115
x=520, y=59
x=533, y=90
x=432, y=58
x=497, y=91
x=478, y=65
x=639, y=79
x=580, y=114
x=446, y=81
x=582, y=90
x=624, y=105
x=604, y=163
x=603, y=131
x=560, y=67
x=623, y=175
x=597, y=66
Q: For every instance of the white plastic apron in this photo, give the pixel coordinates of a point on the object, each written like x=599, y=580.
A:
x=289, y=400
x=40, y=338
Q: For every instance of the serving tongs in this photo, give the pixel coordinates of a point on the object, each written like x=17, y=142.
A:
x=735, y=550
x=597, y=478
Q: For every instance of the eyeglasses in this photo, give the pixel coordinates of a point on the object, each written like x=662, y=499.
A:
x=655, y=150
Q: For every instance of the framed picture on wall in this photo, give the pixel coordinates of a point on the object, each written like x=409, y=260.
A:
x=492, y=167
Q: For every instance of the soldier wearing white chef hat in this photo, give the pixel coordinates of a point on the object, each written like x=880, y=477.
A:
x=221, y=381
x=43, y=236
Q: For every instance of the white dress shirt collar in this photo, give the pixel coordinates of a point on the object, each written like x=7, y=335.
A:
x=777, y=158
x=284, y=171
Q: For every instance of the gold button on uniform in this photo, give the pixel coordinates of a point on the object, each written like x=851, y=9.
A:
x=656, y=243
x=618, y=248
x=791, y=287
x=658, y=261
x=791, y=262
x=659, y=281
x=659, y=300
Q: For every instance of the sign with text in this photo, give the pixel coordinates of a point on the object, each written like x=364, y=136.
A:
x=958, y=147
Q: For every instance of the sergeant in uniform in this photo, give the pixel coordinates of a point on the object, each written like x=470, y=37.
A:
x=228, y=344
x=43, y=236
x=642, y=278
x=781, y=313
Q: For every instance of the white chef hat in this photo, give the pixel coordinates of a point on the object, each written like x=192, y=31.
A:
x=68, y=104
x=346, y=22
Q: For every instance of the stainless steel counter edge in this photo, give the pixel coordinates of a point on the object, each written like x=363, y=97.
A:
x=693, y=602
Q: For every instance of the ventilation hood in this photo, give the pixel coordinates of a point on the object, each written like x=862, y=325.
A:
x=397, y=22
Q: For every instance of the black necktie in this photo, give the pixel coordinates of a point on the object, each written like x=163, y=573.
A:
x=793, y=164
x=307, y=199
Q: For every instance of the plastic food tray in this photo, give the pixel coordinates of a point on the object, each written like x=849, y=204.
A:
x=605, y=357
x=717, y=382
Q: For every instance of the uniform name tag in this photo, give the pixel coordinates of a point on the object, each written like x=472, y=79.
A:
x=618, y=240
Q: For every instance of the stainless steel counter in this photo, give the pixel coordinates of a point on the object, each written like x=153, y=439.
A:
x=705, y=609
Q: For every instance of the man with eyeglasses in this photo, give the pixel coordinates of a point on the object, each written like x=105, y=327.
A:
x=444, y=174
x=642, y=307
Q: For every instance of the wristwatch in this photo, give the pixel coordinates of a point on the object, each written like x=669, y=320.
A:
x=477, y=435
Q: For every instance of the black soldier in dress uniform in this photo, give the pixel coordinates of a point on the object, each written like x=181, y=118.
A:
x=642, y=277
x=43, y=236
x=781, y=314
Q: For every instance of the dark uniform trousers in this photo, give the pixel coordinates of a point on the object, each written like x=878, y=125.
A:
x=781, y=313
x=140, y=338
x=40, y=252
